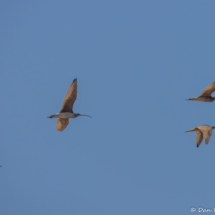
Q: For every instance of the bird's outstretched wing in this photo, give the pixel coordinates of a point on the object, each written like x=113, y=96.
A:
x=62, y=124
x=207, y=132
x=70, y=97
x=208, y=90
x=199, y=137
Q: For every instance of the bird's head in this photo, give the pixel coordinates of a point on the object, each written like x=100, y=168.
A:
x=78, y=114
x=213, y=127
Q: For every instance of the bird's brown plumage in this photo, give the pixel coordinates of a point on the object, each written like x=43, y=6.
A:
x=67, y=105
x=203, y=131
x=62, y=124
x=208, y=90
x=70, y=97
x=199, y=137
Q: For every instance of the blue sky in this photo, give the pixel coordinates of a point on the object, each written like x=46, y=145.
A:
x=136, y=62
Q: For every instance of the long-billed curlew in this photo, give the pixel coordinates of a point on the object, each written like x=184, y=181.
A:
x=202, y=131
x=206, y=94
x=66, y=111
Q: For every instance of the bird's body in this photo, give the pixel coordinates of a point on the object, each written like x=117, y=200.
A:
x=64, y=115
x=202, y=132
x=206, y=94
x=203, y=98
x=66, y=111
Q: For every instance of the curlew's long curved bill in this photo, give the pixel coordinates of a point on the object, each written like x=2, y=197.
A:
x=85, y=115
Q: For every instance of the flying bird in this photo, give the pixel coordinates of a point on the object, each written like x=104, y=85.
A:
x=206, y=94
x=202, y=131
x=66, y=111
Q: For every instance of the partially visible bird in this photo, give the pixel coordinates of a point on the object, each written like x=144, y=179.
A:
x=206, y=94
x=66, y=111
x=202, y=131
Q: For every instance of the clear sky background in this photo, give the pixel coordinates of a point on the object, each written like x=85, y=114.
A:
x=136, y=62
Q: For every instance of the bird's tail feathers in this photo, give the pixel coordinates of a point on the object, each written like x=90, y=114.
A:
x=194, y=98
x=193, y=129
